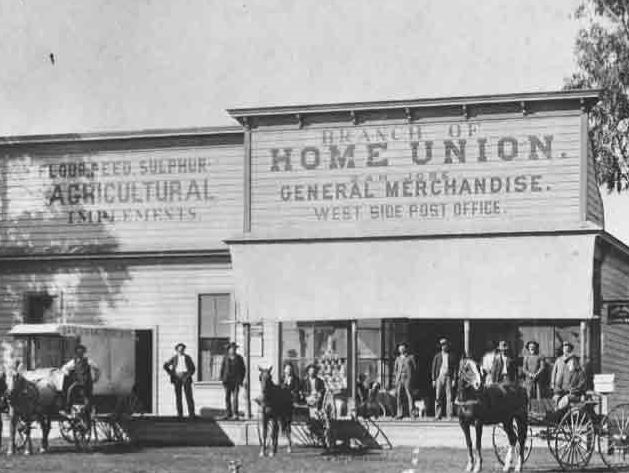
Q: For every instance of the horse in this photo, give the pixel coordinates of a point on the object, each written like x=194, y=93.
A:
x=32, y=396
x=277, y=407
x=486, y=405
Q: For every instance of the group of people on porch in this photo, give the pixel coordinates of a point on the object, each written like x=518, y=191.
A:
x=567, y=380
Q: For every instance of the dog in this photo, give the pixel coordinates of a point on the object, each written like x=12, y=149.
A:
x=419, y=408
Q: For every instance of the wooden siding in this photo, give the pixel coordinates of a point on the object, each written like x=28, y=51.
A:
x=615, y=337
x=128, y=196
x=594, y=203
x=288, y=199
x=158, y=295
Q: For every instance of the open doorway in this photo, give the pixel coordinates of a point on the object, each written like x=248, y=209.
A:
x=144, y=368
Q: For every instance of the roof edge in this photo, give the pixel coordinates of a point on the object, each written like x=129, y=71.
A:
x=588, y=95
x=120, y=135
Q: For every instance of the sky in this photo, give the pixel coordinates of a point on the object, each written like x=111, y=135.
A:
x=144, y=64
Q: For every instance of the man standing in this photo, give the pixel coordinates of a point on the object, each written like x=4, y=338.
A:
x=567, y=379
x=82, y=373
x=402, y=374
x=443, y=378
x=181, y=369
x=232, y=376
x=313, y=388
x=503, y=369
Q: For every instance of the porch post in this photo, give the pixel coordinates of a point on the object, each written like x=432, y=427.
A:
x=278, y=371
x=583, y=341
x=353, y=371
x=247, y=336
x=466, y=337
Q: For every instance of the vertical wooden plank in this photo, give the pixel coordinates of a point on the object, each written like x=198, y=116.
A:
x=466, y=337
x=247, y=341
x=247, y=183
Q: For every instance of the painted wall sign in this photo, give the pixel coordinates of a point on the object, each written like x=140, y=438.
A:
x=180, y=198
x=424, y=178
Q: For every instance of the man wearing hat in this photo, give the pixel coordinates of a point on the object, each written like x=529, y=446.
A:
x=82, y=372
x=443, y=374
x=232, y=376
x=181, y=369
x=504, y=370
x=313, y=387
x=402, y=374
x=567, y=379
x=532, y=368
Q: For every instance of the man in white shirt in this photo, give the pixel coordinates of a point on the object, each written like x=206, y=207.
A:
x=82, y=373
x=181, y=369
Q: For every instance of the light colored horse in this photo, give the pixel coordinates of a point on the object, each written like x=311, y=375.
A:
x=32, y=396
x=493, y=404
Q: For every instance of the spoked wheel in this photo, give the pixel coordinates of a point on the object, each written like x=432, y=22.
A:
x=573, y=441
x=613, y=438
x=81, y=428
x=65, y=428
x=500, y=441
x=104, y=430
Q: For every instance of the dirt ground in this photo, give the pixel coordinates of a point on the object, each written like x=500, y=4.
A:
x=216, y=459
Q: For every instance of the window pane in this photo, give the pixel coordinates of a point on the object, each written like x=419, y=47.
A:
x=368, y=343
x=214, y=313
x=370, y=369
x=211, y=352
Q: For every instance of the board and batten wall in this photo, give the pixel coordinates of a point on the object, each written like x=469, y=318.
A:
x=614, y=335
x=183, y=193
x=434, y=177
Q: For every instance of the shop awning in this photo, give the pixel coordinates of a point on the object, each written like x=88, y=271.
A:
x=506, y=277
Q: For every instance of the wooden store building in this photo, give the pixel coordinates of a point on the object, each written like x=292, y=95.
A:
x=323, y=233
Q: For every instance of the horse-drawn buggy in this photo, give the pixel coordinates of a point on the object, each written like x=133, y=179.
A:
x=573, y=431
x=40, y=387
x=325, y=421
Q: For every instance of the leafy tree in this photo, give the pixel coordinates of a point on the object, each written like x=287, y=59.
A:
x=602, y=54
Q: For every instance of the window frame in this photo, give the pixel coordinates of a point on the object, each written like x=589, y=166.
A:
x=56, y=305
x=232, y=331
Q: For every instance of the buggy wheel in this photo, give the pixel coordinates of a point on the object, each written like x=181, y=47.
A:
x=573, y=441
x=81, y=426
x=613, y=438
x=104, y=430
x=65, y=428
x=500, y=441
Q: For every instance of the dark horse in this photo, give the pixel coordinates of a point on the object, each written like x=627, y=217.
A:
x=277, y=408
x=494, y=404
x=31, y=400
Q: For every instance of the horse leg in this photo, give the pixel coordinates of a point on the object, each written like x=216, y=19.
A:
x=478, y=464
x=12, y=422
x=287, y=432
x=265, y=431
x=522, y=433
x=275, y=430
x=45, y=432
x=508, y=425
x=465, y=426
x=28, y=445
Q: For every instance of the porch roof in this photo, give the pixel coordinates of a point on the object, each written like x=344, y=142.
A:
x=505, y=277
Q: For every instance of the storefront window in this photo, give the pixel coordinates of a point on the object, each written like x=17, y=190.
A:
x=321, y=343
x=215, y=328
x=369, y=350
